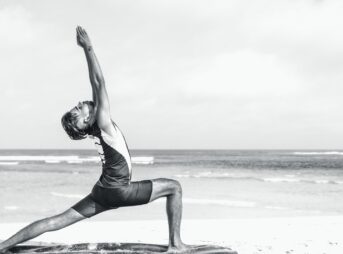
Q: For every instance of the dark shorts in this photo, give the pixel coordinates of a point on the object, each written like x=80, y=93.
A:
x=102, y=199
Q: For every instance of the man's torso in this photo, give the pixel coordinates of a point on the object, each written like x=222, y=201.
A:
x=115, y=157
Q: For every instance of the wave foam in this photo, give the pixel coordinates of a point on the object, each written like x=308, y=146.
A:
x=76, y=196
x=277, y=180
x=222, y=202
x=11, y=207
x=142, y=160
x=232, y=203
x=218, y=175
x=8, y=163
x=297, y=180
x=277, y=207
x=183, y=175
x=319, y=153
x=230, y=176
x=71, y=159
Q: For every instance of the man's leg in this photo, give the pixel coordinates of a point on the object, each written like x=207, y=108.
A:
x=41, y=226
x=171, y=189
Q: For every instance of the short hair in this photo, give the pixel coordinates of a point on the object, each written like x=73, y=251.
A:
x=69, y=125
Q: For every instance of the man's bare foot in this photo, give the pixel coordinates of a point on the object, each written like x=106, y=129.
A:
x=180, y=248
x=5, y=251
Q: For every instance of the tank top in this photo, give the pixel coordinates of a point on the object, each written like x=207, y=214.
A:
x=114, y=155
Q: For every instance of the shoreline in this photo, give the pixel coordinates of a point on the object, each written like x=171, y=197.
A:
x=315, y=234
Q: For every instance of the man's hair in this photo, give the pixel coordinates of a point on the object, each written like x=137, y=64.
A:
x=69, y=124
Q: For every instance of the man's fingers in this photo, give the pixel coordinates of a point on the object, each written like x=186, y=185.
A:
x=81, y=34
x=83, y=31
x=79, y=30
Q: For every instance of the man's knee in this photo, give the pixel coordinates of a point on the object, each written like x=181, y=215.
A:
x=176, y=187
x=47, y=224
x=54, y=223
x=163, y=187
x=173, y=186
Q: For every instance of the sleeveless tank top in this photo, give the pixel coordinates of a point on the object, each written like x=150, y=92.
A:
x=114, y=155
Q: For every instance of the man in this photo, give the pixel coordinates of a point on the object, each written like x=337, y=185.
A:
x=114, y=188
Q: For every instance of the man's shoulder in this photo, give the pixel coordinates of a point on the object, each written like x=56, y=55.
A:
x=110, y=129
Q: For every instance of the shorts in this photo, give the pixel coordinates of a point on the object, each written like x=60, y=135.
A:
x=102, y=199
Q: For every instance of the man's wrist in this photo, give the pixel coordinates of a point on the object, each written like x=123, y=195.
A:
x=88, y=47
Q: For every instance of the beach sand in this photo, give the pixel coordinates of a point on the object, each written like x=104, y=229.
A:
x=311, y=235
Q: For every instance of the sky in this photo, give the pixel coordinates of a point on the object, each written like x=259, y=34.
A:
x=180, y=74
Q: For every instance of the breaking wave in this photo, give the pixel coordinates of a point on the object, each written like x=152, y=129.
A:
x=230, y=176
x=71, y=159
x=73, y=196
x=222, y=202
x=319, y=153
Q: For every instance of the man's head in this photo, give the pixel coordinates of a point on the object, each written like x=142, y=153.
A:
x=77, y=121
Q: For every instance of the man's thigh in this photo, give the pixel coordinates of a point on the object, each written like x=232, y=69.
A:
x=65, y=219
x=87, y=207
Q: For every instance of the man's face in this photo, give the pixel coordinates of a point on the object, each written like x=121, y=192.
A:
x=83, y=111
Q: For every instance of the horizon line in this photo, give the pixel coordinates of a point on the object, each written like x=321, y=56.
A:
x=203, y=149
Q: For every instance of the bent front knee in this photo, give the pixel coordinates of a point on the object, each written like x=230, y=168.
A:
x=177, y=188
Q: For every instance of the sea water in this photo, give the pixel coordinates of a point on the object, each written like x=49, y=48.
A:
x=216, y=183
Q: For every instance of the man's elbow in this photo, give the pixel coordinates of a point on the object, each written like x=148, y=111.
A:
x=98, y=82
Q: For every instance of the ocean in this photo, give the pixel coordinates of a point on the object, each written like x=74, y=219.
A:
x=217, y=184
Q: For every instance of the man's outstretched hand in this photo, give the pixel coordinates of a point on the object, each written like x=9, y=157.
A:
x=82, y=38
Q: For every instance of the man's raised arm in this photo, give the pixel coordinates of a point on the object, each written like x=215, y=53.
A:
x=97, y=80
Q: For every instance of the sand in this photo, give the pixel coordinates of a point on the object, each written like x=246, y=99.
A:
x=309, y=235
